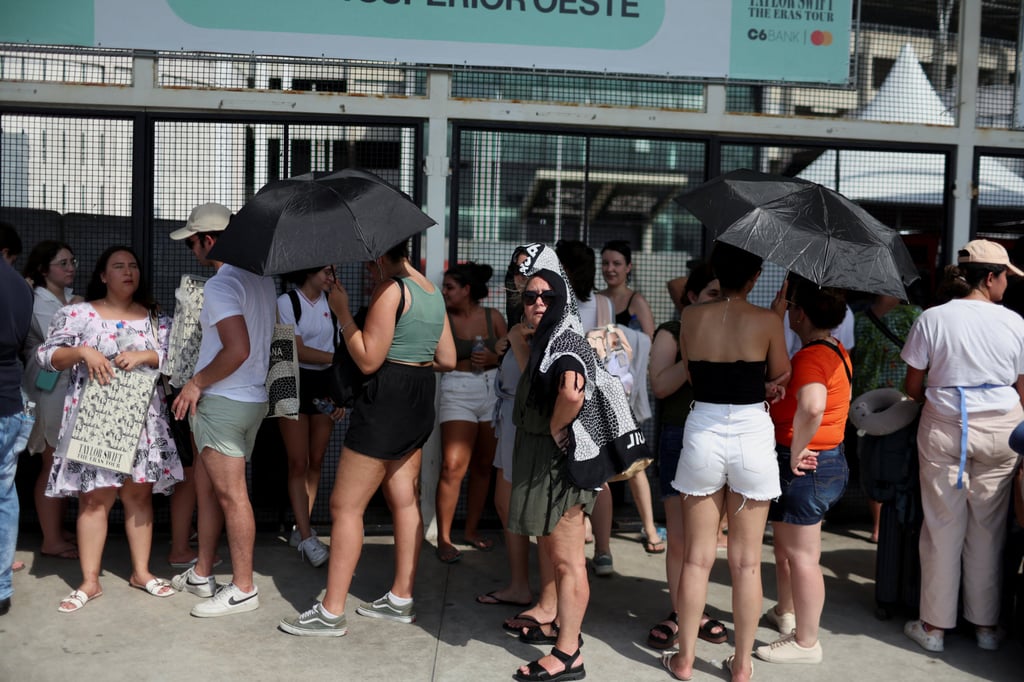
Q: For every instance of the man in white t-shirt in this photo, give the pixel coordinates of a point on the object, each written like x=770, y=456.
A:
x=226, y=399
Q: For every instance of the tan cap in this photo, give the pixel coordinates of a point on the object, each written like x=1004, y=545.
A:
x=211, y=217
x=985, y=252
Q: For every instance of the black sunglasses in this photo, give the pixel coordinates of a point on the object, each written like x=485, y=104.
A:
x=530, y=297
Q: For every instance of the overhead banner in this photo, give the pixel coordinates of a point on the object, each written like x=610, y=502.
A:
x=753, y=40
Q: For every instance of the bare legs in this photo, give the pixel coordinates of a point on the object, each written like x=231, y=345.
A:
x=357, y=479
x=640, y=487
x=50, y=511
x=563, y=550
x=700, y=528
x=224, y=499
x=183, y=505
x=517, y=546
x=467, y=446
x=798, y=574
x=305, y=441
x=93, y=512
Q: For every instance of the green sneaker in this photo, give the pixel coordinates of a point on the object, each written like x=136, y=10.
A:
x=383, y=608
x=315, y=623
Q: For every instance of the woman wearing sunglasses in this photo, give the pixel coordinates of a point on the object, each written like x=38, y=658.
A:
x=544, y=501
x=51, y=268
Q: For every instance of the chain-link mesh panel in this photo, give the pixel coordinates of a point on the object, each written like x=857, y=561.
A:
x=998, y=65
x=202, y=70
x=65, y=65
x=1000, y=197
x=69, y=179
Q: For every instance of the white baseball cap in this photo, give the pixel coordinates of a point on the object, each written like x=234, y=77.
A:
x=211, y=217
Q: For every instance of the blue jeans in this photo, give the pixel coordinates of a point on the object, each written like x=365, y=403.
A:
x=805, y=499
x=10, y=427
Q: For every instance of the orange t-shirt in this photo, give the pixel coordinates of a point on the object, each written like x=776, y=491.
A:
x=816, y=364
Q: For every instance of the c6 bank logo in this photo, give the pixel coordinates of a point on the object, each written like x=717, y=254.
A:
x=816, y=37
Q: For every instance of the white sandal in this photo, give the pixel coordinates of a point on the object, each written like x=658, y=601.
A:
x=158, y=587
x=77, y=599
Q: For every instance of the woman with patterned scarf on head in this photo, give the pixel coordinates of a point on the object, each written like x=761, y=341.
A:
x=544, y=501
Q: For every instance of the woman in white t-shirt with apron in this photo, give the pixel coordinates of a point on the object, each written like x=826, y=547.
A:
x=306, y=438
x=972, y=350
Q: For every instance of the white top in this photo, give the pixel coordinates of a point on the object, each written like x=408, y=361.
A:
x=314, y=328
x=588, y=311
x=844, y=332
x=968, y=343
x=233, y=291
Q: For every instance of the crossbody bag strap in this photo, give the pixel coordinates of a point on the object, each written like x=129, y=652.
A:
x=835, y=348
x=884, y=328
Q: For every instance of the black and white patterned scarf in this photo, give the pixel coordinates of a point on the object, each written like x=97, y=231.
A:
x=603, y=439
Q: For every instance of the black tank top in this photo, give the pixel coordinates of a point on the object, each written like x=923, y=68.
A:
x=625, y=316
x=728, y=383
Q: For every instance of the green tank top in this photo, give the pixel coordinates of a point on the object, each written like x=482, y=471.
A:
x=419, y=328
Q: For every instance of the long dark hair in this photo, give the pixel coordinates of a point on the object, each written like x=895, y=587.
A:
x=960, y=280
x=97, y=288
x=475, y=275
x=38, y=263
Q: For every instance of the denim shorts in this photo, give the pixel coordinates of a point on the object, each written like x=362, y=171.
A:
x=670, y=443
x=467, y=396
x=805, y=499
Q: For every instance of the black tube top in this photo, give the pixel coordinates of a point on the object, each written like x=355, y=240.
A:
x=728, y=383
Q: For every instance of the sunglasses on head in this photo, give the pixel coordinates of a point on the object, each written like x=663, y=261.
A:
x=530, y=297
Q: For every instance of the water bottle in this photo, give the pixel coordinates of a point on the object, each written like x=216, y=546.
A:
x=324, y=405
x=124, y=338
x=27, y=419
x=634, y=323
x=478, y=345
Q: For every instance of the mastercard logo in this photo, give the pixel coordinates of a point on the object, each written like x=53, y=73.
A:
x=823, y=38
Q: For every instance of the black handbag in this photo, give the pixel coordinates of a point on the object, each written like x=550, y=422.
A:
x=346, y=381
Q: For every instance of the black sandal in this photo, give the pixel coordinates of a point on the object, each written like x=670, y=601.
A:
x=713, y=631
x=671, y=635
x=535, y=635
x=537, y=673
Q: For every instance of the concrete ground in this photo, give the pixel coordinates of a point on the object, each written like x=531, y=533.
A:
x=128, y=635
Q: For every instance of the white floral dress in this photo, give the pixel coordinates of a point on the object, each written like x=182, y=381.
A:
x=156, y=458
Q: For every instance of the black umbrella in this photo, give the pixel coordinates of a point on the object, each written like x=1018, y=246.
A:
x=318, y=219
x=805, y=228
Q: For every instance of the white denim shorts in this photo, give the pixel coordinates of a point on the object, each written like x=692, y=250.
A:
x=467, y=397
x=730, y=445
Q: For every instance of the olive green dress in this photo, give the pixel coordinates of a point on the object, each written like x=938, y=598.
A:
x=541, y=490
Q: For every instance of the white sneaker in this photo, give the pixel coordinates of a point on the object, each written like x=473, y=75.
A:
x=201, y=587
x=229, y=599
x=929, y=641
x=786, y=650
x=783, y=622
x=314, y=551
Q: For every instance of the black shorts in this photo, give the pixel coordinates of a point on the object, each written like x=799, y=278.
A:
x=312, y=384
x=394, y=414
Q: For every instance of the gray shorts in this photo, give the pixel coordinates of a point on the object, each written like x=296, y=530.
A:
x=227, y=426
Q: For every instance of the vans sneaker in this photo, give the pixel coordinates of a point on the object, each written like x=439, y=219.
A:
x=315, y=623
x=602, y=564
x=384, y=608
x=783, y=622
x=229, y=599
x=201, y=587
x=929, y=641
x=314, y=551
x=786, y=650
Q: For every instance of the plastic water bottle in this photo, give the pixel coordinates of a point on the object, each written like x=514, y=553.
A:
x=124, y=338
x=634, y=323
x=27, y=419
x=324, y=405
x=478, y=345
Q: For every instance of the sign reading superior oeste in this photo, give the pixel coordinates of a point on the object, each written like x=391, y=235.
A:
x=773, y=40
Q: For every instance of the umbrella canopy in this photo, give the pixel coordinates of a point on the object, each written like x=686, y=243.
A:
x=318, y=219
x=806, y=228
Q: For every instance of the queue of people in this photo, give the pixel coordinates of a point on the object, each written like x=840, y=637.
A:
x=746, y=433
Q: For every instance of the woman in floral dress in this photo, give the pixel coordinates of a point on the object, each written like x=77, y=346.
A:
x=84, y=337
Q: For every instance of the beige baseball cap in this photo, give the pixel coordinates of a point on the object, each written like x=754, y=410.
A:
x=985, y=252
x=211, y=217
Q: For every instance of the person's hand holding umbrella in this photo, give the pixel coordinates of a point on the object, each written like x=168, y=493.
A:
x=780, y=302
x=337, y=299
